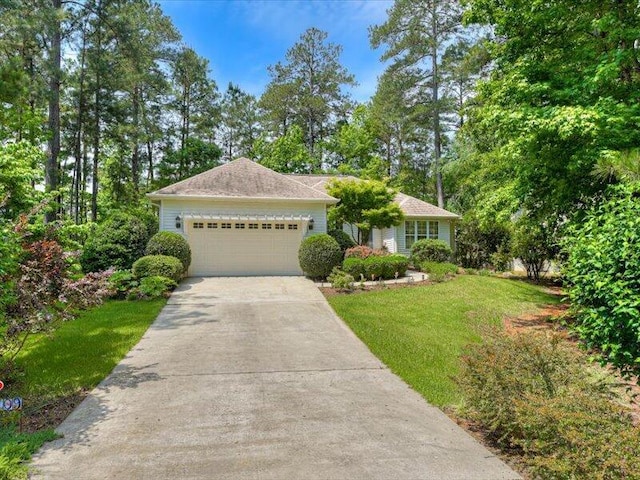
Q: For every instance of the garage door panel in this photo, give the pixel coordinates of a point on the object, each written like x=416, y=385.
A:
x=244, y=251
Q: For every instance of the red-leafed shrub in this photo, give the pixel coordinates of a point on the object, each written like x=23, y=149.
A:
x=362, y=251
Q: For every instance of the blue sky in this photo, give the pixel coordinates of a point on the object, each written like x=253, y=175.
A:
x=241, y=38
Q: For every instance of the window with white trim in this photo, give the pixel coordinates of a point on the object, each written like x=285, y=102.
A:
x=293, y=226
x=415, y=230
x=225, y=225
x=279, y=226
x=266, y=226
x=253, y=226
x=198, y=225
x=239, y=225
x=212, y=225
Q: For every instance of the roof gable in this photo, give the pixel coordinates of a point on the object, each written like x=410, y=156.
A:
x=242, y=178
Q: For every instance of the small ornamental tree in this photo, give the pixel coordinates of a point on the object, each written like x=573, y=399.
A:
x=365, y=204
x=603, y=277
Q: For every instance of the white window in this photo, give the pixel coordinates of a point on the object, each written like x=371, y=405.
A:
x=279, y=226
x=253, y=226
x=239, y=225
x=212, y=225
x=415, y=230
x=266, y=226
x=225, y=225
x=198, y=225
x=293, y=226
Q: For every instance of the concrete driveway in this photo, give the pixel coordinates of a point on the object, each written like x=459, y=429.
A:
x=256, y=378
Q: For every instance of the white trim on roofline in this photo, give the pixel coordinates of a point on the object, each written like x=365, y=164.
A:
x=157, y=196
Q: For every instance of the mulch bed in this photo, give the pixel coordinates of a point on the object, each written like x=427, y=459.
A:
x=50, y=414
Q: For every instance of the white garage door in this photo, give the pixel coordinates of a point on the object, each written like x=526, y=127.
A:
x=240, y=247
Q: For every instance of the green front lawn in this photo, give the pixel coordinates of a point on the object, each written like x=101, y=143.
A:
x=57, y=368
x=419, y=332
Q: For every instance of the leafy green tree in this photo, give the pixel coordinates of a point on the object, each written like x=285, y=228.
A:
x=197, y=157
x=307, y=89
x=603, y=276
x=20, y=169
x=564, y=92
x=364, y=204
x=286, y=154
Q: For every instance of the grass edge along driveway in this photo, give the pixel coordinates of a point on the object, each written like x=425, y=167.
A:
x=419, y=332
x=75, y=358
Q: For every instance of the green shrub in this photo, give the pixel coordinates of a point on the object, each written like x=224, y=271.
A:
x=151, y=287
x=500, y=261
x=158, y=265
x=603, y=277
x=340, y=280
x=171, y=244
x=318, y=255
x=376, y=267
x=534, y=244
x=430, y=251
x=439, y=272
x=122, y=282
x=536, y=393
x=118, y=242
x=343, y=238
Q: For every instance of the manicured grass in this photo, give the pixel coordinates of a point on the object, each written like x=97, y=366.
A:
x=419, y=331
x=83, y=351
x=76, y=357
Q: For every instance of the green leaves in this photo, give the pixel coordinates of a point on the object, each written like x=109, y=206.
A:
x=365, y=204
x=603, y=272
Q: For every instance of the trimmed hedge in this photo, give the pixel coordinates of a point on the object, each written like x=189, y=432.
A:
x=430, y=251
x=318, y=255
x=376, y=267
x=158, y=265
x=171, y=244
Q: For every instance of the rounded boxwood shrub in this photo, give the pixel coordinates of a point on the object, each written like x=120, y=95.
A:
x=343, y=238
x=117, y=242
x=318, y=255
x=429, y=250
x=172, y=244
x=158, y=265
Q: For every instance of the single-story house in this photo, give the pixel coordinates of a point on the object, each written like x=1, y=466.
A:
x=242, y=218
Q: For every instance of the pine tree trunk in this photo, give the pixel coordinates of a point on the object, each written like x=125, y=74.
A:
x=437, y=146
x=51, y=166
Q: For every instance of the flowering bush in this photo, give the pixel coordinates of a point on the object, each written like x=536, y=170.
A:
x=362, y=251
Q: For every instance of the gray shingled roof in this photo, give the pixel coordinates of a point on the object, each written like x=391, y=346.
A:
x=243, y=178
x=411, y=206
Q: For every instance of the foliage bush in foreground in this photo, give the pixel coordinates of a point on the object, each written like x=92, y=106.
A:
x=341, y=280
x=154, y=286
x=318, y=255
x=535, y=393
x=117, y=243
x=428, y=250
x=171, y=244
x=437, y=271
x=376, y=267
x=603, y=277
x=158, y=265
